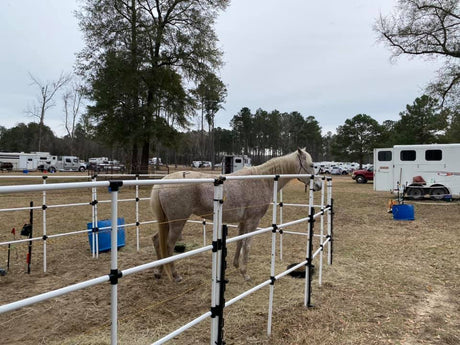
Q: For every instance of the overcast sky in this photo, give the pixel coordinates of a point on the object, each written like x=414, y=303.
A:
x=318, y=58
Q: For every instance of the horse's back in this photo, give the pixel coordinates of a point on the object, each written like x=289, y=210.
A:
x=179, y=201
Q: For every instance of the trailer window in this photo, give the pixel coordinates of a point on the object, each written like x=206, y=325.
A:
x=408, y=155
x=238, y=160
x=384, y=156
x=433, y=155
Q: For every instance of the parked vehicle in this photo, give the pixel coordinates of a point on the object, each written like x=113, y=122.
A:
x=98, y=160
x=103, y=164
x=419, y=170
x=335, y=170
x=6, y=166
x=324, y=168
x=64, y=163
x=42, y=161
x=363, y=175
x=234, y=163
x=155, y=161
x=24, y=161
x=201, y=164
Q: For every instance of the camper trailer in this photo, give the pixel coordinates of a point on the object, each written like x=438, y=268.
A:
x=234, y=163
x=42, y=161
x=419, y=170
x=24, y=161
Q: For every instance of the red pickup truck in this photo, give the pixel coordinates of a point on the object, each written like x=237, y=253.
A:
x=364, y=175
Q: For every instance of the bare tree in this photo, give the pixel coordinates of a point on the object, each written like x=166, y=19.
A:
x=429, y=28
x=45, y=99
x=72, y=104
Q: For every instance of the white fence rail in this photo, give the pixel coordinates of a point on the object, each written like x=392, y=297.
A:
x=218, y=256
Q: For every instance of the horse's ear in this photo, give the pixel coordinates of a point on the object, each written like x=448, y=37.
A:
x=300, y=152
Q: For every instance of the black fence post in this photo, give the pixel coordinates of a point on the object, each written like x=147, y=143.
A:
x=31, y=222
x=311, y=222
x=222, y=285
x=332, y=229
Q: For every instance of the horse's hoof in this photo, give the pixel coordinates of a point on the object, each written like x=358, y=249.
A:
x=246, y=276
x=157, y=275
x=178, y=278
x=236, y=264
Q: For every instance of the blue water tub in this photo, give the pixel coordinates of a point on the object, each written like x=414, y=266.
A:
x=105, y=237
x=403, y=212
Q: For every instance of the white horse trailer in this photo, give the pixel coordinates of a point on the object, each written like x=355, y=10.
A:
x=234, y=163
x=24, y=161
x=418, y=170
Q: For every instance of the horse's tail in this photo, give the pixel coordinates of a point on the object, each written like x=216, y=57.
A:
x=163, y=229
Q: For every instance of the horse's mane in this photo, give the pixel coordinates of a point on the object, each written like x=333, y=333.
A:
x=279, y=165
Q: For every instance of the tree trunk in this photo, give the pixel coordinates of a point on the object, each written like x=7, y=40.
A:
x=144, y=168
x=134, y=160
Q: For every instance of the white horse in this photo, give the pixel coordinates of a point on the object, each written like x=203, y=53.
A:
x=245, y=203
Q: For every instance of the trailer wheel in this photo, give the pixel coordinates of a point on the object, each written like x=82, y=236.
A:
x=415, y=193
x=81, y=169
x=438, y=193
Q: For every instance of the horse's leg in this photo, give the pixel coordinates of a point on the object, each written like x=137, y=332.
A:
x=245, y=258
x=175, y=231
x=236, y=258
x=157, y=272
x=240, y=248
x=246, y=227
x=239, y=245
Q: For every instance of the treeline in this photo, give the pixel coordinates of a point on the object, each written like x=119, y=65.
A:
x=261, y=135
x=26, y=137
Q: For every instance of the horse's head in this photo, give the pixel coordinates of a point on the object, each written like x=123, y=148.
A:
x=305, y=166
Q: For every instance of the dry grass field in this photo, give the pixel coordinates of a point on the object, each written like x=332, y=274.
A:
x=391, y=282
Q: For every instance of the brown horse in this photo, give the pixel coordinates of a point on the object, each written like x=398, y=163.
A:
x=245, y=203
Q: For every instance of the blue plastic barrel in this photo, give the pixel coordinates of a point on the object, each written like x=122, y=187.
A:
x=403, y=212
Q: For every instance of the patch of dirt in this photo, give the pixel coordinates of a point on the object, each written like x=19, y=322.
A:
x=436, y=311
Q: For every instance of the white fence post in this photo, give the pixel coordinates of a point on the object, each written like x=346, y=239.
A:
x=330, y=218
x=137, y=214
x=273, y=253
x=44, y=224
x=308, y=268
x=321, y=234
x=95, y=234
x=204, y=231
x=114, y=187
x=216, y=260
x=281, y=222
